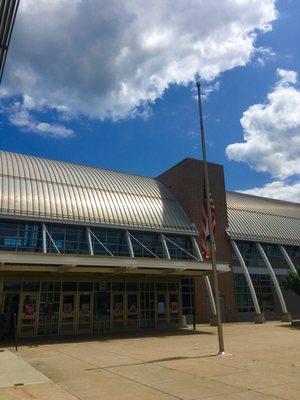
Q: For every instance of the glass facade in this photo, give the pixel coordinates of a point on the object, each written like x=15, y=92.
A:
x=114, y=240
x=68, y=239
x=174, y=248
x=150, y=241
x=187, y=290
x=20, y=236
x=261, y=281
x=294, y=253
x=253, y=258
x=263, y=289
x=76, y=307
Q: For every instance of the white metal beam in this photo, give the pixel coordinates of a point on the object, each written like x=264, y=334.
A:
x=285, y=315
x=90, y=243
x=44, y=238
x=129, y=244
x=165, y=247
x=288, y=259
x=249, y=281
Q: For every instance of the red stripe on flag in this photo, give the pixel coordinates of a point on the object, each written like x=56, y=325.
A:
x=204, y=226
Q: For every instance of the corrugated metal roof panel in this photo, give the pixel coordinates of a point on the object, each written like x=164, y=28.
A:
x=41, y=188
x=263, y=219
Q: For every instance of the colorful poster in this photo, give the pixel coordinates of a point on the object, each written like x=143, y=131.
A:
x=67, y=309
x=29, y=309
x=118, y=308
x=174, y=307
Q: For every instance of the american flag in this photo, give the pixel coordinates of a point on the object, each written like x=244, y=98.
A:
x=205, y=247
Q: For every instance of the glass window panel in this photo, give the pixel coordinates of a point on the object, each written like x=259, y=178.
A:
x=132, y=286
x=31, y=286
x=174, y=248
x=85, y=286
x=118, y=286
x=69, y=286
x=162, y=287
x=12, y=286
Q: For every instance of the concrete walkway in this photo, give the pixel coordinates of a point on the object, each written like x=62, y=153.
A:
x=265, y=364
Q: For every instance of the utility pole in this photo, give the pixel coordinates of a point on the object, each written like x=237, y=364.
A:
x=210, y=228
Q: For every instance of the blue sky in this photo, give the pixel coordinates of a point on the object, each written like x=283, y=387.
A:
x=162, y=132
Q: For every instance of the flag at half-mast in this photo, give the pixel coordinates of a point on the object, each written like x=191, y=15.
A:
x=205, y=239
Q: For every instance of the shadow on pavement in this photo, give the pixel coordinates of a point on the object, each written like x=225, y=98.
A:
x=46, y=340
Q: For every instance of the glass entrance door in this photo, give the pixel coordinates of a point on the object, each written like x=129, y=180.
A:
x=67, y=314
x=28, y=315
x=174, y=309
x=84, y=324
x=10, y=314
x=161, y=310
x=132, y=310
x=118, y=314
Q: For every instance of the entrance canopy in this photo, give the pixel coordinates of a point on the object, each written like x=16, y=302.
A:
x=113, y=265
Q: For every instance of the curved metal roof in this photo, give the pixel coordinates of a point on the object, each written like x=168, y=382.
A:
x=262, y=219
x=53, y=190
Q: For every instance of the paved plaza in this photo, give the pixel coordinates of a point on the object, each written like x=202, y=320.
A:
x=264, y=364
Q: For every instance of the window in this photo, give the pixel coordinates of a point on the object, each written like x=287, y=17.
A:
x=263, y=289
x=20, y=236
x=67, y=239
x=182, y=241
x=114, y=240
x=187, y=290
x=294, y=253
x=151, y=241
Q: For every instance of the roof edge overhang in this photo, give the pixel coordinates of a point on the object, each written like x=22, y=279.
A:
x=42, y=262
x=90, y=223
x=263, y=240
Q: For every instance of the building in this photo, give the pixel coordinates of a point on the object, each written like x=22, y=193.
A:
x=259, y=237
x=85, y=250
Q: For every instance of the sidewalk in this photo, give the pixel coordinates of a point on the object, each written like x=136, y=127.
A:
x=264, y=365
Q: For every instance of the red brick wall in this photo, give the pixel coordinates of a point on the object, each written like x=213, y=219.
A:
x=185, y=181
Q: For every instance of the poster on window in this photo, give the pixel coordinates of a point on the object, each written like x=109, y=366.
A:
x=174, y=307
x=161, y=307
x=133, y=308
x=118, y=308
x=67, y=309
x=29, y=309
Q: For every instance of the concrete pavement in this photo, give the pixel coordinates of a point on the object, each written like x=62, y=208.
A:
x=265, y=364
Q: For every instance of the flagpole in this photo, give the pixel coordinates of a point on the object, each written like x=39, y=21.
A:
x=210, y=228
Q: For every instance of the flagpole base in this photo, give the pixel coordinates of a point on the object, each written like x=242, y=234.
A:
x=223, y=354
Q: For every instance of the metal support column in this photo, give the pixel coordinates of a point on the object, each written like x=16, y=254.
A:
x=211, y=300
x=44, y=238
x=90, y=243
x=288, y=259
x=129, y=244
x=165, y=247
x=259, y=316
x=285, y=316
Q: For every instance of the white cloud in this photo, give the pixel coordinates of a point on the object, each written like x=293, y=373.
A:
x=277, y=190
x=272, y=131
x=272, y=139
x=19, y=115
x=110, y=59
x=287, y=77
